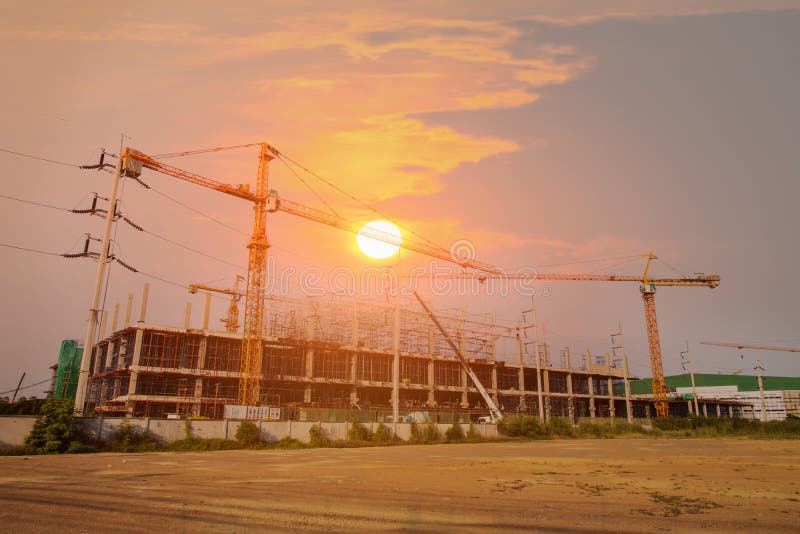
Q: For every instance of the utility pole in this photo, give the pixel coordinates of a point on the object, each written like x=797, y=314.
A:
x=94, y=309
x=14, y=397
x=538, y=359
x=761, y=390
x=621, y=347
x=396, y=350
x=688, y=355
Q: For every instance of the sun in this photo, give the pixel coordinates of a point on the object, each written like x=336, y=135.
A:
x=375, y=248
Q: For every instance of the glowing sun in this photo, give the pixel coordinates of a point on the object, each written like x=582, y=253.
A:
x=375, y=248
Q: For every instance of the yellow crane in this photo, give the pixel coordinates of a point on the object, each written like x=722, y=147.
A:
x=487, y=271
x=266, y=200
x=252, y=336
x=231, y=321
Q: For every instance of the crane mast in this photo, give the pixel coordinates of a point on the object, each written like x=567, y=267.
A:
x=253, y=334
x=231, y=321
x=265, y=200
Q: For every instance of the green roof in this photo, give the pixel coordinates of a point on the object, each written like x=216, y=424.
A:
x=745, y=382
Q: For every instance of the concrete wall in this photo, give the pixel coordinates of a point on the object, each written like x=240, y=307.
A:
x=14, y=429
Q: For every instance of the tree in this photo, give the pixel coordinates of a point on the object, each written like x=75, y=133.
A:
x=54, y=431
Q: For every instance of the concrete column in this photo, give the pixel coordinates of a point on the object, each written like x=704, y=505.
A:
x=309, y=359
x=114, y=318
x=136, y=358
x=691, y=409
x=206, y=311
x=464, y=392
x=611, y=409
x=143, y=309
x=705, y=410
x=571, y=397
x=592, y=407
x=187, y=316
x=719, y=413
x=431, y=388
x=128, y=310
x=546, y=380
x=354, y=376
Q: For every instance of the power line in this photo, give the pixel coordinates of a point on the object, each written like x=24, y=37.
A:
x=352, y=197
x=26, y=387
x=30, y=250
x=39, y=158
x=309, y=187
x=35, y=203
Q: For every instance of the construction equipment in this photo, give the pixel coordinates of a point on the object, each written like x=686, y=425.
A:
x=265, y=200
x=741, y=346
x=497, y=416
x=648, y=289
x=252, y=336
x=647, y=285
x=231, y=321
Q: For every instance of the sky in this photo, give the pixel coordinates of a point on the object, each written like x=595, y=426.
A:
x=549, y=135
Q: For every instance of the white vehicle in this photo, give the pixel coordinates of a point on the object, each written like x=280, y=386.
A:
x=485, y=419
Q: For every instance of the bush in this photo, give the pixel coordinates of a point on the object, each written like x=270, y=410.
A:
x=524, y=426
x=318, y=437
x=128, y=438
x=358, y=432
x=288, y=443
x=54, y=432
x=198, y=444
x=430, y=433
x=454, y=433
x=561, y=427
x=248, y=434
x=383, y=433
x=415, y=436
x=472, y=434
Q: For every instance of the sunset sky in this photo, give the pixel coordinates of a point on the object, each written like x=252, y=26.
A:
x=542, y=132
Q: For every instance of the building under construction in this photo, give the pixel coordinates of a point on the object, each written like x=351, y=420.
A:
x=339, y=354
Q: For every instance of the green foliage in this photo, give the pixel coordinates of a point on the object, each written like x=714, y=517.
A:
x=430, y=433
x=318, y=437
x=604, y=429
x=472, y=434
x=416, y=435
x=248, y=434
x=22, y=406
x=382, y=433
x=198, y=444
x=524, y=426
x=287, y=443
x=454, y=433
x=559, y=426
x=358, y=432
x=54, y=432
x=130, y=439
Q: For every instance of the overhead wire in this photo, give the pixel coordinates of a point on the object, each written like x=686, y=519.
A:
x=26, y=387
x=354, y=198
x=22, y=154
x=7, y=245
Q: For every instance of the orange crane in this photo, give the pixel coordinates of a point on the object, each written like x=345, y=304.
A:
x=647, y=284
x=745, y=346
x=265, y=200
x=252, y=336
x=231, y=321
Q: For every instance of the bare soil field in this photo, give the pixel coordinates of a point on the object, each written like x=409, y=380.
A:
x=569, y=486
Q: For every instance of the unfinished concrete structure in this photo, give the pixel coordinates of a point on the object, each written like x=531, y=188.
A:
x=338, y=354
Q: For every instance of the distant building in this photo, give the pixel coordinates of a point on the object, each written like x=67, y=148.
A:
x=66, y=371
x=781, y=393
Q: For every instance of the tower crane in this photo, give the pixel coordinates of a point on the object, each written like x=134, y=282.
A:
x=231, y=321
x=265, y=200
x=252, y=335
x=487, y=271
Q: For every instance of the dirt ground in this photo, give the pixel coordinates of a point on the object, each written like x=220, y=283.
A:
x=621, y=485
